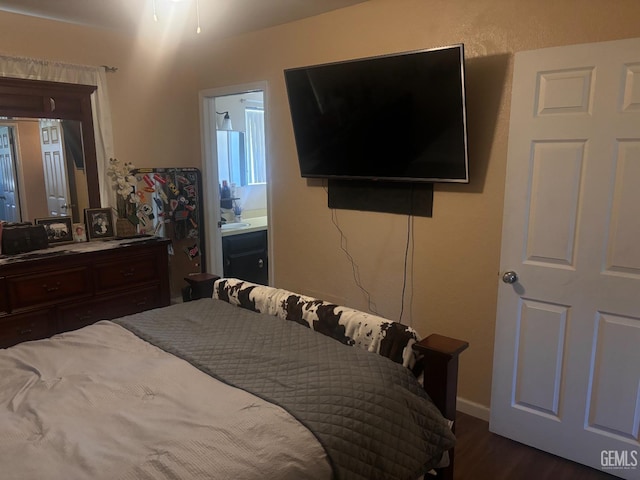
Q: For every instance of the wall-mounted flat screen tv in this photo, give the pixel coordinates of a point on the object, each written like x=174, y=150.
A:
x=394, y=117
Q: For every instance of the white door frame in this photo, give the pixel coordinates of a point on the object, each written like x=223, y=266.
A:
x=210, y=178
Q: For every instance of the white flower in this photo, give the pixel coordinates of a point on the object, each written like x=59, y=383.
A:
x=125, y=190
x=123, y=181
x=124, y=184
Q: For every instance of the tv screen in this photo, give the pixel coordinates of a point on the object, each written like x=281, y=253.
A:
x=394, y=117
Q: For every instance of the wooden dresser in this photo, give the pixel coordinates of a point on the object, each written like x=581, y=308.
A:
x=59, y=289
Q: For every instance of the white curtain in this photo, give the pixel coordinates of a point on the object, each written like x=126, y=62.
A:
x=34, y=69
x=256, y=152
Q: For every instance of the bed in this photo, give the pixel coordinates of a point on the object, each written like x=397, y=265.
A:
x=256, y=382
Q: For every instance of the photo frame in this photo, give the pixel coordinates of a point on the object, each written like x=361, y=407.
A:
x=99, y=223
x=79, y=232
x=59, y=229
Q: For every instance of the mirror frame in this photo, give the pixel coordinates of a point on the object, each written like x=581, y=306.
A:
x=66, y=101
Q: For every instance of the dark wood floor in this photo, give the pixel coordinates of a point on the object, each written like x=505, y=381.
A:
x=482, y=455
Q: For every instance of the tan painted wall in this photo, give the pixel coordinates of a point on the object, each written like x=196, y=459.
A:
x=453, y=275
x=154, y=100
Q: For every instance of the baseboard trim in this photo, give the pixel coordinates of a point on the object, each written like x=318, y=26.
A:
x=474, y=409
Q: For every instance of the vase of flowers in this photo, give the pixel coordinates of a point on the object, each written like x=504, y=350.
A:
x=124, y=183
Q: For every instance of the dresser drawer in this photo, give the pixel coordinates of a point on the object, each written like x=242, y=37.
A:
x=23, y=327
x=44, y=288
x=126, y=271
x=4, y=305
x=75, y=316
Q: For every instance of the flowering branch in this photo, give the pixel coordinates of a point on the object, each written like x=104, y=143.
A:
x=124, y=183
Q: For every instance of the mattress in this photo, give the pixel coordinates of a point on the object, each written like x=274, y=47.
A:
x=206, y=389
x=100, y=403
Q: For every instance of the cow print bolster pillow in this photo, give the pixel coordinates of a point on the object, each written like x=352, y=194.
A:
x=348, y=326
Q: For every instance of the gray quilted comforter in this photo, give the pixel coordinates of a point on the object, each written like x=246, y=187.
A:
x=370, y=414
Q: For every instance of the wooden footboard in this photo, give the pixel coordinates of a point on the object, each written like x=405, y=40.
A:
x=440, y=366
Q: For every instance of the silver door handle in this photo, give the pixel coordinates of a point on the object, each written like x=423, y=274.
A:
x=510, y=277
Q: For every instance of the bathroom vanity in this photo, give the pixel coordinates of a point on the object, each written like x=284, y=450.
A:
x=245, y=250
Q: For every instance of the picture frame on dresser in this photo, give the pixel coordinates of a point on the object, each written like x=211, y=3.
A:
x=99, y=223
x=79, y=232
x=59, y=229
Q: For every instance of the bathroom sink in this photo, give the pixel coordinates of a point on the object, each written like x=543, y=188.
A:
x=234, y=225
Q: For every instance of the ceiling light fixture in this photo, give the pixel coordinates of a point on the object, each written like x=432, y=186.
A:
x=155, y=13
x=198, y=16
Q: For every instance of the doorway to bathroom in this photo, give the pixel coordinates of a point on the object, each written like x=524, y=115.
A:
x=235, y=173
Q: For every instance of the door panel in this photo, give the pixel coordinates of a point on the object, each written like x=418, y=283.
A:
x=567, y=362
x=615, y=334
x=555, y=193
x=9, y=204
x=623, y=256
x=542, y=326
x=55, y=170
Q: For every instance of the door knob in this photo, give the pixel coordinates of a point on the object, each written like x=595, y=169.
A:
x=510, y=277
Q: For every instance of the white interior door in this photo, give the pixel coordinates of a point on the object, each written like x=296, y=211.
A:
x=9, y=208
x=566, y=375
x=55, y=170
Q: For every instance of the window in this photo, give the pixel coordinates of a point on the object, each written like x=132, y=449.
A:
x=256, y=161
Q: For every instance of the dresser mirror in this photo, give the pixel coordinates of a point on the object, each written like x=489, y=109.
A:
x=48, y=162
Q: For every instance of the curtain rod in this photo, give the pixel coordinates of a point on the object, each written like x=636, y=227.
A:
x=109, y=69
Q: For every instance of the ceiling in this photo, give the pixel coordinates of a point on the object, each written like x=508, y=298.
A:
x=217, y=17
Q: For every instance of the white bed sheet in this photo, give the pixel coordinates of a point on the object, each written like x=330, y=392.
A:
x=100, y=403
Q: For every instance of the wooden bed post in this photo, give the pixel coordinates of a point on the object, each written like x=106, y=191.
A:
x=200, y=286
x=440, y=356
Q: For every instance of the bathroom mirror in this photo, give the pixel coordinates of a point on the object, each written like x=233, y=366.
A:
x=48, y=161
x=231, y=157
